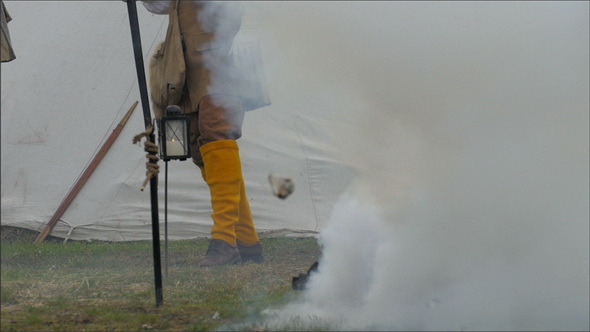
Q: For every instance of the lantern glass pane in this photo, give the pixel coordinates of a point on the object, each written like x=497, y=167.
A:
x=176, y=138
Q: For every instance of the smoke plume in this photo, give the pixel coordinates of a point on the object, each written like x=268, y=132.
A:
x=470, y=123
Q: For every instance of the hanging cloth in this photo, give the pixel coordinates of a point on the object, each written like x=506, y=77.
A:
x=6, y=51
x=167, y=67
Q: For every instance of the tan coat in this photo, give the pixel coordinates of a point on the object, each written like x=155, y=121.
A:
x=208, y=30
x=207, y=53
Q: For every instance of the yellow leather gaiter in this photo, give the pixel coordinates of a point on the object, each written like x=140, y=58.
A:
x=245, y=231
x=223, y=174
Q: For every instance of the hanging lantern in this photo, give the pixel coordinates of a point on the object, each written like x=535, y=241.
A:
x=174, y=143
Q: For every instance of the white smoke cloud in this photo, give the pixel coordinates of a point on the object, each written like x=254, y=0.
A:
x=471, y=118
x=234, y=63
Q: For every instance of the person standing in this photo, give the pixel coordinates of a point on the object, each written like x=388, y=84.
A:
x=216, y=114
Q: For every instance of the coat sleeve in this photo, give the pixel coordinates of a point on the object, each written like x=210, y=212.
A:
x=157, y=6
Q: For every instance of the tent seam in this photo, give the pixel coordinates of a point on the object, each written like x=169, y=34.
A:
x=307, y=163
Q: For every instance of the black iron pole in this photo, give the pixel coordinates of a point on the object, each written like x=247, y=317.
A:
x=134, y=23
x=166, y=218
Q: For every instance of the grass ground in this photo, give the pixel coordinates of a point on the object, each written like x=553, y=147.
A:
x=100, y=286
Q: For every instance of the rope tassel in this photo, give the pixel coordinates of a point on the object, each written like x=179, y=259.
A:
x=152, y=149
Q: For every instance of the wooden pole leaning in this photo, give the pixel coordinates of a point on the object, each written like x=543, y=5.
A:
x=84, y=177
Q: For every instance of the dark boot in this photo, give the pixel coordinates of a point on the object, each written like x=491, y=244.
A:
x=250, y=253
x=220, y=253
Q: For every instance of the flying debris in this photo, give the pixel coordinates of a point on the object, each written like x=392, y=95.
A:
x=281, y=187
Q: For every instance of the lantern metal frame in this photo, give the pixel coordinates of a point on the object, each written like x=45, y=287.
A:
x=180, y=130
x=178, y=124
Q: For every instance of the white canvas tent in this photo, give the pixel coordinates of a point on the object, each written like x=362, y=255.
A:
x=73, y=80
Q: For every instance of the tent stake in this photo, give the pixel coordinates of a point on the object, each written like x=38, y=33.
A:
x=85, y=176
x=139, y=66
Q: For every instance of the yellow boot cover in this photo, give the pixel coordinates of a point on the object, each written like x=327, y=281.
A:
x=245, y=231
x=231, y=210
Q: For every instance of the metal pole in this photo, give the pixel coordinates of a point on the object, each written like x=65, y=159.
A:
x=136, y=38
x=166, y=218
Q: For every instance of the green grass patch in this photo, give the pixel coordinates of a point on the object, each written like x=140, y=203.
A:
x=75, y=286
